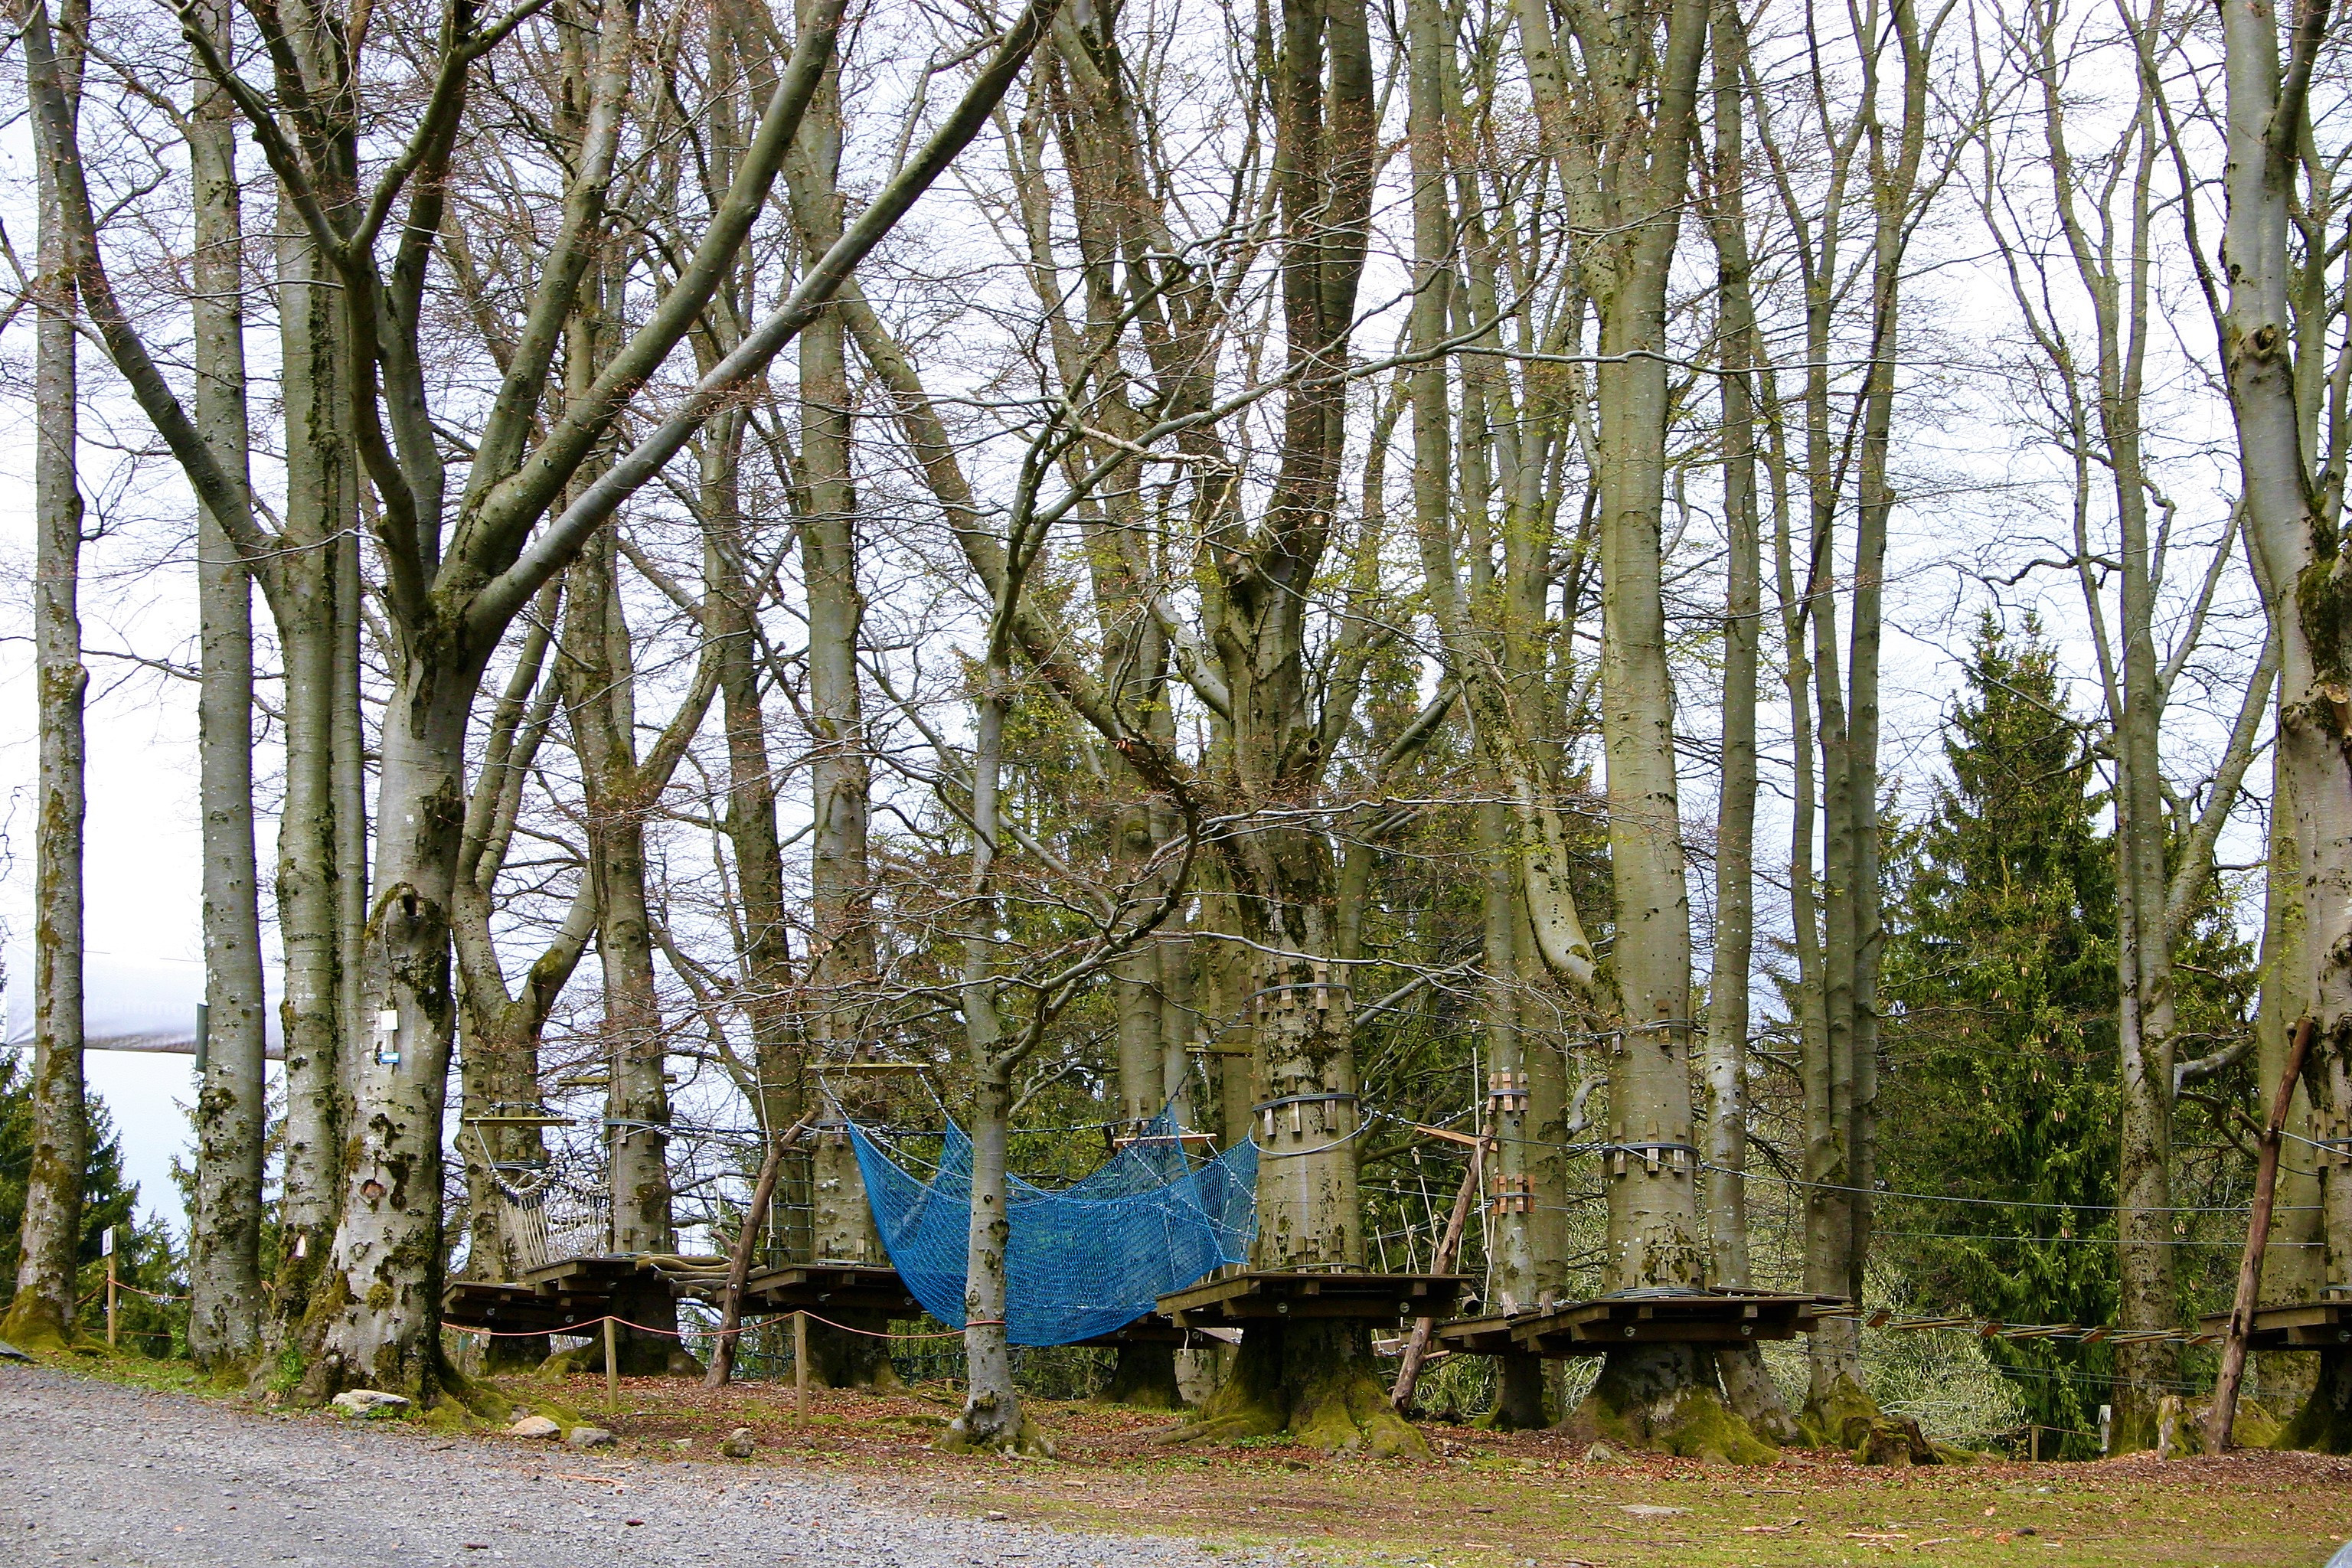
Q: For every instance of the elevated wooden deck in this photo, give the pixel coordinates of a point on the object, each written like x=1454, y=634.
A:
x=1228, y=1299
x=1595, y=1327
x=560, y=1295
x=2324, y=1324
x=826, y=1287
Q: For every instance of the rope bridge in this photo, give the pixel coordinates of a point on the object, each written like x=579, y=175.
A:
x=1083, y=1260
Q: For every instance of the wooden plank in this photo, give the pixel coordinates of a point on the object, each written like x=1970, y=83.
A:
x=1489, y=1335
x=1272, y=1294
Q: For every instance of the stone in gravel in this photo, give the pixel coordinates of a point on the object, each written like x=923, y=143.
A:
x=1651, y=1510
x=590, y=1438
x=369, y=1401
x=739, y=1444
x=537, y=1427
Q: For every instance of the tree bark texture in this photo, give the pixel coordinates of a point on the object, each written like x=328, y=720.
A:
x=225, y=1301
x=42, y=1312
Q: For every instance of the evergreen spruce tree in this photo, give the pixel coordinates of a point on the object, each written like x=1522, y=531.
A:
x=156, y=1321
x=2000, y=1089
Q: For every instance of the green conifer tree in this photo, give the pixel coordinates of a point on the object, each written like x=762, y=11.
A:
x=2001, y=1090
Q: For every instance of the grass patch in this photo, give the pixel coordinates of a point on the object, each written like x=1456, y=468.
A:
x=1503, y=1501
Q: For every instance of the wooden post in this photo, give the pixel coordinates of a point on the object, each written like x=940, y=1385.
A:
x=111, y=1284
x=739, y=1269
x=2224, y=1413
x=1416, y=1349
x=800, y=1366
x=2036, y=1441
x=611, y=1363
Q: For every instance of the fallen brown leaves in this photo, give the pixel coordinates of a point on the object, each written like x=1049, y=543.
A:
x=1531, y=1496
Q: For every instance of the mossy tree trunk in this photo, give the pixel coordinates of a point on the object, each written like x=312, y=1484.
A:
x=619, y=793
x=1624, y=171
x=313, y=590
x=2323, y=1424
x=42, y=1311
x=842, y=950
x=226, y=1302
x=500, y=1028
x=1746, y=1382
x=2274, y=323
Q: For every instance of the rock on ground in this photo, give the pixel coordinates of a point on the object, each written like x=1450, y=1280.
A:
x=537, y=1427
x=369, y=1401
x=215, y=1487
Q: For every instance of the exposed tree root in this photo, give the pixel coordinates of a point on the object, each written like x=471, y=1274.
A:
x=987, y=1426
x=32, y=1325
x=1145, y=1377
x=1309, y=1380
x=1664, y=1398
x=1844, y=1415
x=1838, y=1416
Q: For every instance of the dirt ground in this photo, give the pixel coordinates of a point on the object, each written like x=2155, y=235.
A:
x=1485, y=1500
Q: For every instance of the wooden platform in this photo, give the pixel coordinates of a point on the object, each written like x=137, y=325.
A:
x=1244, y=1295
x=2322, y=1324
x=1487, y=1335
x=1151, y=1329
x=862, y=1288
x=1596, y=1327
x=556, y=1295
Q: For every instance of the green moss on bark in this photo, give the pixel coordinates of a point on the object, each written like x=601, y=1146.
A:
x=1664, y=1398
x=1144, y=1377
x=33, y=1323
x=1312, y=1381
x=2324, y=1425
x=1838, y=1416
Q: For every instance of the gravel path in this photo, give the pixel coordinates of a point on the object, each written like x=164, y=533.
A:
x=93, y=1472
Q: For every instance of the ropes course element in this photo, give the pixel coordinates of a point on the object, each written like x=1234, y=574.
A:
x=1083, y=1260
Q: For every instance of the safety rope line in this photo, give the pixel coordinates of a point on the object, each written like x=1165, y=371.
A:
x=591, y=1323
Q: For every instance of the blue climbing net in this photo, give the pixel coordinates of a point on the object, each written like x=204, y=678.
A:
x=1084, y=1260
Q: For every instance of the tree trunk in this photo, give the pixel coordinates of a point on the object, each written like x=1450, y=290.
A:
x=1747, y=1383
x=600, y=685
x=500, y=1031
x=993, y=1420
x=226, y=1302
x=842, y=955
x=2303, y=570
x=313, y=595
x=370, y=1321
x=41, y=1315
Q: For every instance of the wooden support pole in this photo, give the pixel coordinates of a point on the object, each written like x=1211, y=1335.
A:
x=2224, y=1417
x=739, y=1268
x=799, y=1366
x=111, y=1285
x=1416, y=1349
x=612, y=1363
